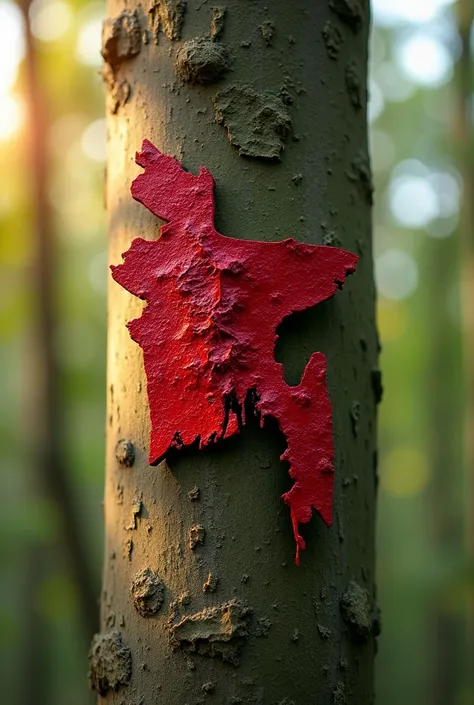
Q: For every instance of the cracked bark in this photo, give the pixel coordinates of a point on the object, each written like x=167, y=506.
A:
x=268, y=615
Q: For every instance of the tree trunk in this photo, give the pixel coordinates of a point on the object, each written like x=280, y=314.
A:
x=300, y=643
x=49, y=463
x=464, y=143
x=444, y=449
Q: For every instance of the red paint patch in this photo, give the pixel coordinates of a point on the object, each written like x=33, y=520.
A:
x=208, y=331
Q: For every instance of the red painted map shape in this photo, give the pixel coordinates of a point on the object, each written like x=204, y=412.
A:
x=208, y=331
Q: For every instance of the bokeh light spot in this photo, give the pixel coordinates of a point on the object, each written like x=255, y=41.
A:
x=50, y=19
x=11, y=116
x=94, y=141
x=89, y=37
x=394, y=12
x=12, y=44
x=413, y=201
x=394, y=86
x=396, y=275
x=424, y=59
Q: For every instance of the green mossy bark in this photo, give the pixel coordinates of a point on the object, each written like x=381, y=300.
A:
x=296, y=646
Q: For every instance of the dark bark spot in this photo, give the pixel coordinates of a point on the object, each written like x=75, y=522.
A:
x=119, y=491
x=201, y=61
x=355, y=417
x=110, y=662
x=127, y=549
x=376, y=621
x=377, y=386
x=333, y=39
x=356, y=611
x=125, y=453
x=349, y=12
x=375, y=468
x=147, y=591
x=257, y=123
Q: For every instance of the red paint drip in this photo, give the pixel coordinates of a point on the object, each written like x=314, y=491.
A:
x=208, y=331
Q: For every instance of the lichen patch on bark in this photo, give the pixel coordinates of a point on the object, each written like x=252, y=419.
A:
x=361, y=174
x=218, y=631
x=353, y=84
x=194, y=493
x=137, y=506
x=110, y=662
x=217, y=23
x=267, y=30
x=118, y=92
x=202, y=61
x=333, y=39
x=121, y=38
x=121, y=41
x=356, y=612
x=349, y=12
x=339, y=694
x=147, y=592
x=257, y=123
x=125, y=453
x=196, y=536
x=167, y=16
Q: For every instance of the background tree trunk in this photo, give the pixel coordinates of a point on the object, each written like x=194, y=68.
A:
x=299, y=649
x=463, y=141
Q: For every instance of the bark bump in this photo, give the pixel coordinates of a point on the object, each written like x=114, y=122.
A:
x=148, y=592
x=257, y=123
x=110, y=662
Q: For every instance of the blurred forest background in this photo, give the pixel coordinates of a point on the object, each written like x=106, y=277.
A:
x=421, y=117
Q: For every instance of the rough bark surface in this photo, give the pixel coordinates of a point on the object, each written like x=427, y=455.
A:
x=206, y=531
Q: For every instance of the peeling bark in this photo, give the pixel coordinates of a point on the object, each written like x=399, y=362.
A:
x=199, y=573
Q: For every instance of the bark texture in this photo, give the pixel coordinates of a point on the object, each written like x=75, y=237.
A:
x=201, y=598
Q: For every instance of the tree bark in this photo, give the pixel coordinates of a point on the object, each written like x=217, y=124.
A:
x=300, y=644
